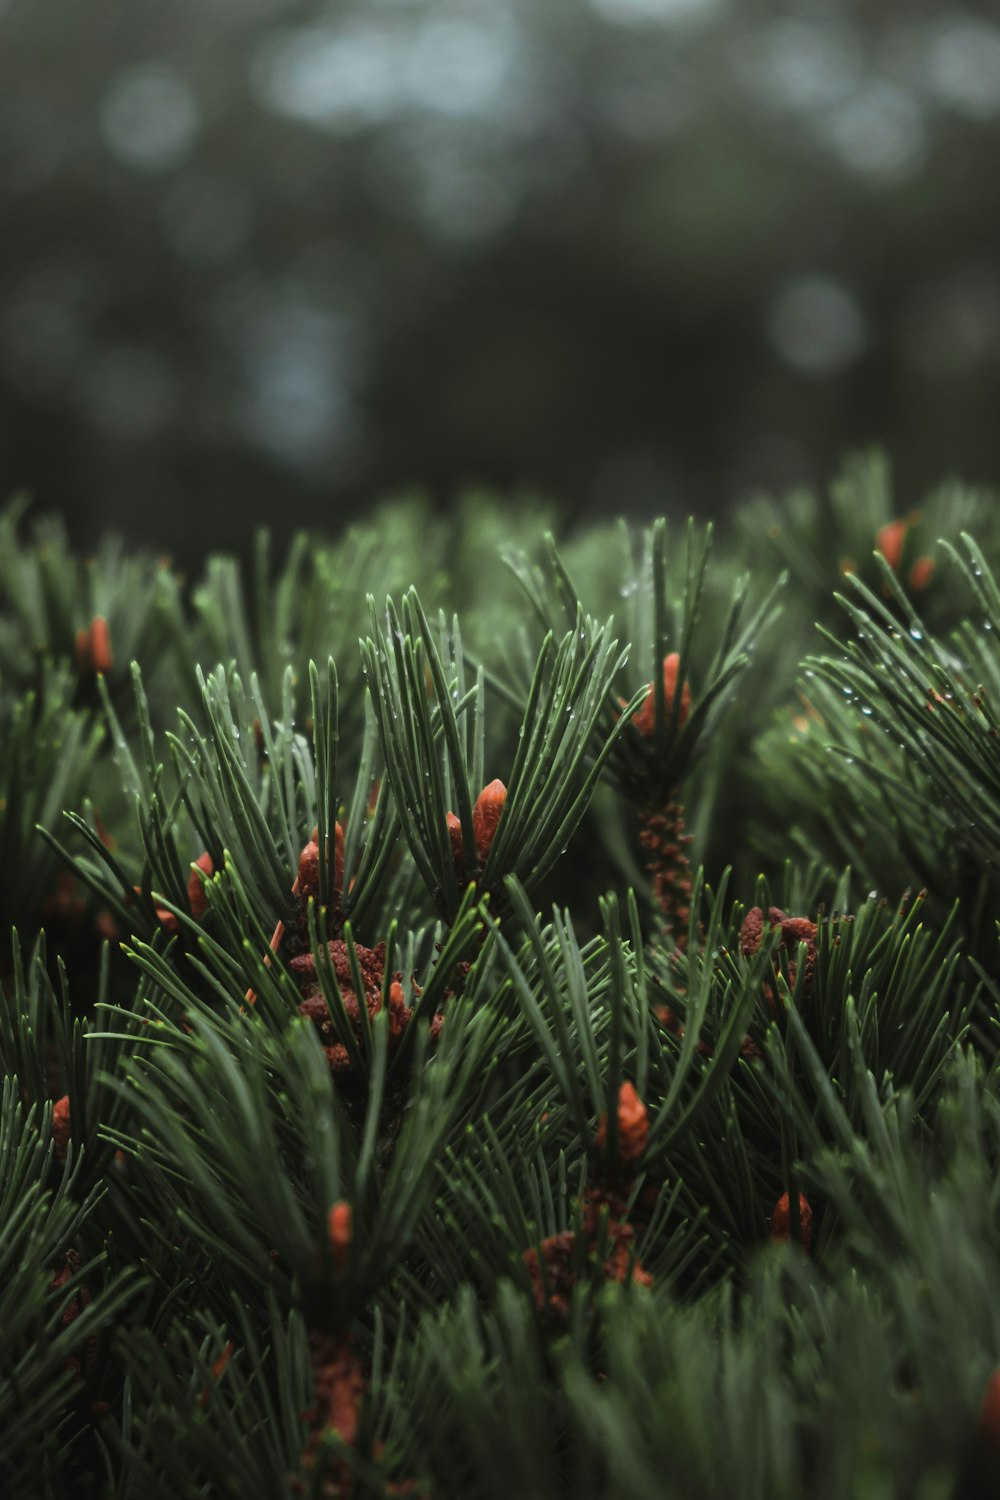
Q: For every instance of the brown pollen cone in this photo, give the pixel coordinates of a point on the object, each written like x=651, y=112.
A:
x=486, y=816
x=781, y=1221
x=81, y=1299
x=339, y=1384
x=553, y=1289
x=666, y=844
x=794, y=930
x=371, y=964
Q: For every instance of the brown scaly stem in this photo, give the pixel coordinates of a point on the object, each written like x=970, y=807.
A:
x=666, y=845
x=608, y=1237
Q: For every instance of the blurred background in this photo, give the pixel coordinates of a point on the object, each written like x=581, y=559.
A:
x=262, y=261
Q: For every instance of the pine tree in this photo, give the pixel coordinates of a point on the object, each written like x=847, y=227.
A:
x=546, y=1045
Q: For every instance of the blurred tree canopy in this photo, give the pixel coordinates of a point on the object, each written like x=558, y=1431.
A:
x=264, y=260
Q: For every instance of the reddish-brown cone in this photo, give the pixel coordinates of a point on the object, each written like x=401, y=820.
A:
x=371, y=963
x=486, y=816
x=197, y=900
x=781, y=1221
x=552, y=1289
x=60, y=1126
x=80, y=1299
x=794, y=930
x=633, y=1125
x=645, y=719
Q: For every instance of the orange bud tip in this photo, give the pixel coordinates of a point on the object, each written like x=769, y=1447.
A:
x=100, y=644
x=307, y=879
x=486, y=816
x=166, y=919
x=633, y=1125
x=217, y=1369
x=890, y=542
x=60, y=1126
x=645, y=719
x=781, y=1221
x=197, y=899
x=921, y=573
x=457, y=848
x=340, y=1231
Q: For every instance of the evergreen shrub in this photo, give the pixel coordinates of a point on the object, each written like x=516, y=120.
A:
x=484, y=1016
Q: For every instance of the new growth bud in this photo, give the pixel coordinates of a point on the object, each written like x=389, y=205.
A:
x=340, y=1231
x=93, y=646
x=486, y=816
x=891, y=542
x=781, y=1221
x=633, y=1125
x=457, y=853
x=307, y=879
x=60, y=1126
x=645, y=719
x=197, y=899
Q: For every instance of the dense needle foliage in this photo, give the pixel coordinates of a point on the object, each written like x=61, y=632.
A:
x=546, y=1047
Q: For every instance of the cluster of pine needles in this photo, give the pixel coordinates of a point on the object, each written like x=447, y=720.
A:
x=483, y=1014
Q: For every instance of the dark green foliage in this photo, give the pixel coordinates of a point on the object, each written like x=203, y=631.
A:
x=336, y=1164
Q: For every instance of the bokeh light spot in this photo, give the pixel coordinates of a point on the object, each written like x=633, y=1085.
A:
x=639, y=12
x=878, y=132
x=816, y=325
x=149, y=117
x=963, y=65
